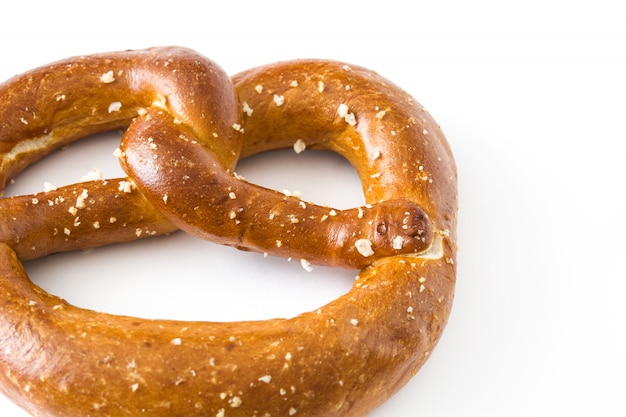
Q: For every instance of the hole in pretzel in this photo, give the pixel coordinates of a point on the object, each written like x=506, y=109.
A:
x=180, y=276
x=322, y=177
x=70, y=164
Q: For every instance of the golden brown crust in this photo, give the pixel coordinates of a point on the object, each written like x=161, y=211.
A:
x=343, y=359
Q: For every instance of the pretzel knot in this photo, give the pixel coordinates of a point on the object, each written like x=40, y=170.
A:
x=187, y=125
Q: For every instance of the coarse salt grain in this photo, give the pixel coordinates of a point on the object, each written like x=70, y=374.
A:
x=115, y=106
x=125, y=186
x=47, y=187
x=107, y=77
x=266, y=378
x=80, y=200
x=94, y=174
x=364, y=247
x=306, y=265
x=246, y=108
x=299, y=146
x=235, y=402
x=279, y=100
x=118, y=153
x=344, y=112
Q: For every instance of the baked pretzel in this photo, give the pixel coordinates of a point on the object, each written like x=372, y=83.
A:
x=188, y=127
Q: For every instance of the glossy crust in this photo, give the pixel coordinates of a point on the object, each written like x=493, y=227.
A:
x=343, y=359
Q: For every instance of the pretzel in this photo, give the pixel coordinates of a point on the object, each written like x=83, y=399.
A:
x=188, y=125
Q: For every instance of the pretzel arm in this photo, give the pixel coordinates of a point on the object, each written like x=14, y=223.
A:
x=77, y=217
x=187, y=183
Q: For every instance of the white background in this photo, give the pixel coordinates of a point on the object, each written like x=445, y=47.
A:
x=532, y=97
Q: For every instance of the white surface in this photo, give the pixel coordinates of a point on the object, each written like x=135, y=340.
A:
x=532, y=97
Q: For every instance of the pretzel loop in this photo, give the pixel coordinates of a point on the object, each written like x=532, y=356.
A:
x=186, y=132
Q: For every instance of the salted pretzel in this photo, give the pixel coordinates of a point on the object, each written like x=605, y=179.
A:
x=187, y=126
